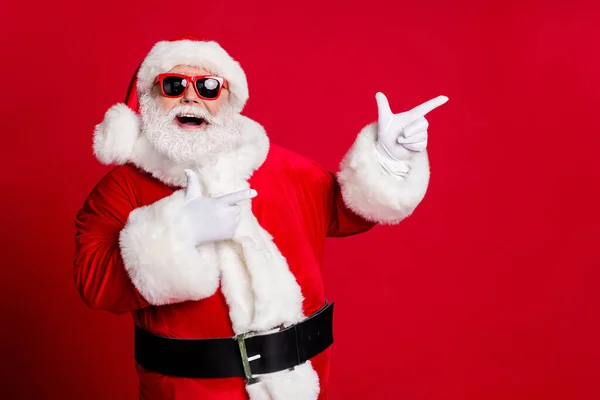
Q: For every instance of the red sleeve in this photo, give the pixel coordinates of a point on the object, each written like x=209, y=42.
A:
x=343, y=221
x=99, y=272
x=319, y=186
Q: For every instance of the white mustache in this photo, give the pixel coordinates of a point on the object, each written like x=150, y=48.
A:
x=198, y=112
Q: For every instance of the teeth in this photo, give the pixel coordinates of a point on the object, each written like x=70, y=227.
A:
x=189, y=116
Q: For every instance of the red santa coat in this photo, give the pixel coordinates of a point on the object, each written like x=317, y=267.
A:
x=132, y=257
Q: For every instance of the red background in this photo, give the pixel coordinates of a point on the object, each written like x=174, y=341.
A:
x=489, y=291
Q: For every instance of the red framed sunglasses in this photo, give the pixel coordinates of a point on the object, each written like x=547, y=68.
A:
x=207, y=87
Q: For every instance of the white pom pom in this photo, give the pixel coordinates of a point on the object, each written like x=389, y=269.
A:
x=115, y=136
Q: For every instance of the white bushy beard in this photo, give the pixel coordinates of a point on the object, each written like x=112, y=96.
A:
x=219, y=134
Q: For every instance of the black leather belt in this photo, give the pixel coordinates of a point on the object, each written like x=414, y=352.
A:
x=240, y=356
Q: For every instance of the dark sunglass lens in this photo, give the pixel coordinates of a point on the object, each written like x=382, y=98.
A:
x=174, y=85
x=208, y=87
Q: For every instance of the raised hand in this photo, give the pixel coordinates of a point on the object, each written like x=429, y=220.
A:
x=212, y=218
x=400, y=136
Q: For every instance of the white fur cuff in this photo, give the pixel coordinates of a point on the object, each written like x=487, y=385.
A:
x=161, y=258
x=382, y=192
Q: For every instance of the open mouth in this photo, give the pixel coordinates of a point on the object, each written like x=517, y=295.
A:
x=189, y=121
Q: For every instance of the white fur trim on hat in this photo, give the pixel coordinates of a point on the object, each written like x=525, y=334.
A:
x=115, y=136
x=208, y=55
x=380, y=190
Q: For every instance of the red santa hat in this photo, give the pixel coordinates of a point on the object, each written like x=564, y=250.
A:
x=115, y=136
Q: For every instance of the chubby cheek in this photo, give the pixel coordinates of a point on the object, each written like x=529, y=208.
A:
x=215, y=105
x=167, y=103
x=212, y=106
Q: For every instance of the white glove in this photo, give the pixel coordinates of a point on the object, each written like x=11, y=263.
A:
x=400, y=136
x=212, y=218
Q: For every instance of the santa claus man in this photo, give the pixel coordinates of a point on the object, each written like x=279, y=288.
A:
x=212, y=237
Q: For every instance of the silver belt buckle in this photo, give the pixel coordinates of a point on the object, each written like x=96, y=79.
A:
x=241, y=340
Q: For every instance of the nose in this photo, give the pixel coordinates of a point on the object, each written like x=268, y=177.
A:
x=189, y=95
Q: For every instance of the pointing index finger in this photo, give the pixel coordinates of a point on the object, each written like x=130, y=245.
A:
x=234, y=198
x=421, y=110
